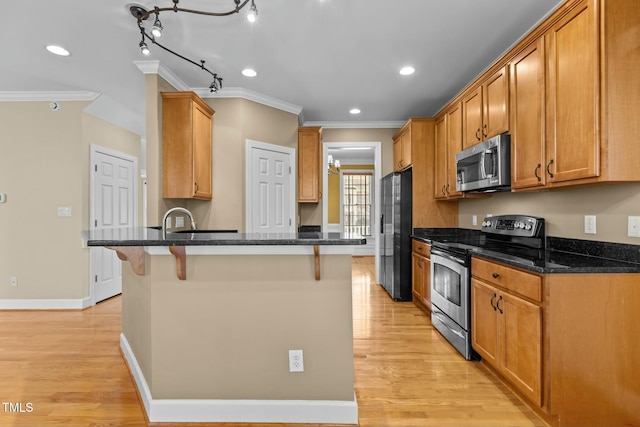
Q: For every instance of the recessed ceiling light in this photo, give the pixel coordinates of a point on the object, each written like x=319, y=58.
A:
x=58, y=50
x=407, y=71
x=355, y=111
x=249, y=72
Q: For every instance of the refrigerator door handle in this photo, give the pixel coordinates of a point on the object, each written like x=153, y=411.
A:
x=381, y=223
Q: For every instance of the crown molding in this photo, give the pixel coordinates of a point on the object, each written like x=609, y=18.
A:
x=48, y=95
x=239, y=92
x=154, y=67
x=358, y=125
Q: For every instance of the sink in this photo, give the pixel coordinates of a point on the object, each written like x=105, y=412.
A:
x=204, y=231
x=159, y=227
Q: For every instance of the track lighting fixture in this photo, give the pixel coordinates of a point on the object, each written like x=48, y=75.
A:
x=141, y=14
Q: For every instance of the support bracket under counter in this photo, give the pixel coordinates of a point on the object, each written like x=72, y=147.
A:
x=133, y=254
x=136, y=257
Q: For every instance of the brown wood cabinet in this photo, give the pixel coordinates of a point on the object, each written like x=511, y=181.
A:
x=421, y=272
x=186, y=146
x=448, y=142
x=309, y=164
x=485, y=109
x=527, y=109
x=573, y=112
x=402, y=144
x=506, y=328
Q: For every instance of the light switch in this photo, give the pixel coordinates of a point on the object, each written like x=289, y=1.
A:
x=64, y=211
x=3, y=198
x=590, y=224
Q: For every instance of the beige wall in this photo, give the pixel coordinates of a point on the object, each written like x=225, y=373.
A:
x=311, y=213
x=44, y=164
x=225, y=332
x=564, y=210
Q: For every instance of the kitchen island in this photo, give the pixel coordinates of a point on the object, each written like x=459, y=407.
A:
x=208, y=320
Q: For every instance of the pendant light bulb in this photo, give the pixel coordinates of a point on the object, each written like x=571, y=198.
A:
x=253, y=12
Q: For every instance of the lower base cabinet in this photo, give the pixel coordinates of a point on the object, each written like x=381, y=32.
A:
x=421, y=272
x=507, y=332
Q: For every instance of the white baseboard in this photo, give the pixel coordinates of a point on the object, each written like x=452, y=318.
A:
x=45, y=304
x=247, y=411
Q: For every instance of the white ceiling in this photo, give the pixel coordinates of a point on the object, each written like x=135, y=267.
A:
x=321, y=56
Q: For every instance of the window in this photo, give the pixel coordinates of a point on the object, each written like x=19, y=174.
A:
x=357, y=204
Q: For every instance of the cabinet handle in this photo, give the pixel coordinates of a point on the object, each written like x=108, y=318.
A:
x=493, y=298
x=443, y=193
x=478, y=134
x=548, y=171
x=420, y=263
x=195, y=184
x=495, y=275
x=498, y=305
x=447, y=190
x=484, y=131
x=535, y=172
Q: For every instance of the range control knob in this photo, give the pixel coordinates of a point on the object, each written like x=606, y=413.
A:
x=528, y=227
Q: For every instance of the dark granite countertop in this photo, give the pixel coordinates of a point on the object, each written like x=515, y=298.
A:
x=151, y=236
x=562, y=255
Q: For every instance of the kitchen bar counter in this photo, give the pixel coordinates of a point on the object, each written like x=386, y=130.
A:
x=151, y=236
x=562, y=256
x=211, y=343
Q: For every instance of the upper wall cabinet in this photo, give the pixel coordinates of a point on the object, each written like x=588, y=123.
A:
x=309, y=176
x=485, y=109
x=186, y=146
x=573, y=108
x=402, y=148
x=448, y=142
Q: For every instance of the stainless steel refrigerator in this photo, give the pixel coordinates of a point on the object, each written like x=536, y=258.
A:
x=395, y=235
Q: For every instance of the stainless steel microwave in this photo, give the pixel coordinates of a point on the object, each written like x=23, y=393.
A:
x=485, y=166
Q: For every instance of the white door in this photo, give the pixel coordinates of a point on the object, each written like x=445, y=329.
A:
x=270, y=188
x=114, y=206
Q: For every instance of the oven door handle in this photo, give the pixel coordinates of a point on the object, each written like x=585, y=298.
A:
x=443, y=320
x=448, y=256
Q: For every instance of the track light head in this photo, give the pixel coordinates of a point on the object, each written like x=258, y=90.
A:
x=156, y=31
x=144, y=48
x=253, y=12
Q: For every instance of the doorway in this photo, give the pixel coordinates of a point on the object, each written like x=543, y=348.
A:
x=270, y=188
x=114, y=203
x=354, y=157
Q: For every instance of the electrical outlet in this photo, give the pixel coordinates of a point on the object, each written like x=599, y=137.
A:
x=13, y=281
x=296, y=363
x=590, y=224
x=179, y=221
x=633, y=227
x=168, y=222
x=474, y=220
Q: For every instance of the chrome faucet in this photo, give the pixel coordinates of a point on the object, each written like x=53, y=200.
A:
x=176, y=209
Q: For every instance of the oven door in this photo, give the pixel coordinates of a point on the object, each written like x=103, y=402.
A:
x=450, y=286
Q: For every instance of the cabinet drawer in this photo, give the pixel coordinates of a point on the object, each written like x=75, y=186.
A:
x=421, y=248
x=517, y=281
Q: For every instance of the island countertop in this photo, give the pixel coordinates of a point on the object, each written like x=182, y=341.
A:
x=151, y=236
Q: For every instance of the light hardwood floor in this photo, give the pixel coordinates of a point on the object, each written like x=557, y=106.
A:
x=68, y=366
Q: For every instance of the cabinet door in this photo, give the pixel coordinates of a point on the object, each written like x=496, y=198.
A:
x=440, y=167
x=454, y=146
x=418, y=276
x=527, y=117
x=484, y=321
x=521, y=359
x=472, y=118
x=406, y=149
x=202, y=160
x=495, y=100
x=397, y=155
x=572, y=117
x=309, y=178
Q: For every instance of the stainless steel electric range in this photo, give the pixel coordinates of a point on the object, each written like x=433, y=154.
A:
x=518, y=236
